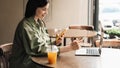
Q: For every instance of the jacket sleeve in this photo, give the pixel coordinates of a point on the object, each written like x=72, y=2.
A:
x=34, y=43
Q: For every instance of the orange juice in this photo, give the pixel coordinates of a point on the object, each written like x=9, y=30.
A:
x=52, y=57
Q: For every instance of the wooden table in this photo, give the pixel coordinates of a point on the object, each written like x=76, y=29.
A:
x=110, y=58
x=73, y=33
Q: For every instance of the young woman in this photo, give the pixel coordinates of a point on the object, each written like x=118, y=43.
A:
x=31, y=36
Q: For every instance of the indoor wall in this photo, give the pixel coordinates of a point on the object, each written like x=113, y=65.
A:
x=62, y=13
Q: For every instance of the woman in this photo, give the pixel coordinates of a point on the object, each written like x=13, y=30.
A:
x=31, y=37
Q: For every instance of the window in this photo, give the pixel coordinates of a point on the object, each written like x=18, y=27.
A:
x=109, y=13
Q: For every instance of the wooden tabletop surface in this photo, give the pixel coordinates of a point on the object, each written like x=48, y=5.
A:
x=73, y=33
x=110, y=58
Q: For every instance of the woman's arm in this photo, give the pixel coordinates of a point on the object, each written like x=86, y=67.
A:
x=73, y=46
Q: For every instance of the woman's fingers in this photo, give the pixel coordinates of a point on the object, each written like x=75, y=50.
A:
x=75, y=45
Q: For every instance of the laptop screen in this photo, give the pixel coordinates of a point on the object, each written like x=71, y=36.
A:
x=92, y=51
x=101, y=36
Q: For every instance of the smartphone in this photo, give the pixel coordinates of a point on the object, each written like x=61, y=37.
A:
x=61, y=34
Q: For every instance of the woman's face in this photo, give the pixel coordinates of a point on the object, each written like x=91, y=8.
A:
x=42, y=12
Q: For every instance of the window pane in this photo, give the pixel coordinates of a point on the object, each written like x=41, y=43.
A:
x=109, y=13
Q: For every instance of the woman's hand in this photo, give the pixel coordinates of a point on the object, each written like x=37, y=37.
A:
x=75, y=45
x=59, y=37
x=59, y=41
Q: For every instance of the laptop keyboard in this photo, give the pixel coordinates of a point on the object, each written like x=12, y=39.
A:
x=92, y=51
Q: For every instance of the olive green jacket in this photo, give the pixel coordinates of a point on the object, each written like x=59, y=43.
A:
x=31, y=39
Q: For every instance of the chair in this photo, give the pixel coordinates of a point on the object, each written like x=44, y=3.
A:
x=5, y=52
x=82, y=27
x=107, y=42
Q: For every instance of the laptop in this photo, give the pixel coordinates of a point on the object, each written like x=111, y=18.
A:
x=91, y=51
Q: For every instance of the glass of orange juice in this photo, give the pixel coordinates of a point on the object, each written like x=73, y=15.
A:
x=52, y=54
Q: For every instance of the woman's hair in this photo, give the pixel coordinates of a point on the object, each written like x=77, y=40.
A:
x=32, y=5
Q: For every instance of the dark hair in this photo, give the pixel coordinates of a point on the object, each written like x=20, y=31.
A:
x=32, y=5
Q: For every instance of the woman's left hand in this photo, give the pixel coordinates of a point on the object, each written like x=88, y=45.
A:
x=75, y=45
